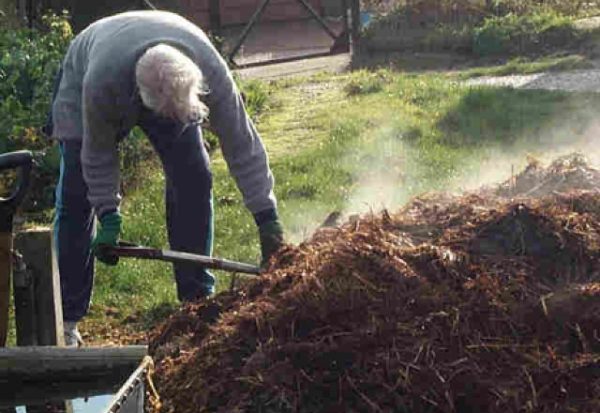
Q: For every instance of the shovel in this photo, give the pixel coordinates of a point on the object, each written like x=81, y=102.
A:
x=20, y=161
x=126, y=249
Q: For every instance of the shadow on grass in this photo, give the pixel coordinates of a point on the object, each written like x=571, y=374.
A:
x=411, y=61
x=158, y=314
x=468, y=66
x=504, y=116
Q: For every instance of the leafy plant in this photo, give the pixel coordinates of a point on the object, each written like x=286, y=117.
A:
x=363, y=83
x=514, y=34
x=485, y=28
x=29, y=61
x=568, y=7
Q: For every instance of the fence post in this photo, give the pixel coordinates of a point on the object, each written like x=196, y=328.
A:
x=6, y=245
x=22, y=10
x=41, y=272
x=24, y=299
x=355, y=24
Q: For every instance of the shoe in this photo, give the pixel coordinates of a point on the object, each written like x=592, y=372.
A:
x=72, y=335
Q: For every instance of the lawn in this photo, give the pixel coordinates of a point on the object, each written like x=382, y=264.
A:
x=525, y=66
x=351, y=143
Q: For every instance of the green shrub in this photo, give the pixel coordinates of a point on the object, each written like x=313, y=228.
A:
x=257, y=100
x=29, y=60
x=364, y=83
x=567, y=7
x=136, y=152
x=448, y=38
x=256, y=96
x=485, y=28
x=532, y=33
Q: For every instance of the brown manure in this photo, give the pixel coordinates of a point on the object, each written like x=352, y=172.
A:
x=462, y=304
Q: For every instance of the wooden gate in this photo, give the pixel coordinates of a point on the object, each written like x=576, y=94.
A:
x=296, y=29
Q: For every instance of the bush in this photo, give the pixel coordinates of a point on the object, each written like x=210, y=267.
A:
x=482, y=8
x=449, y=38
x=29, y=60
x=364, y=83
x=136, y=153
x=520, y=7
x=533, y=33
x=256, y=95
x=495, y=28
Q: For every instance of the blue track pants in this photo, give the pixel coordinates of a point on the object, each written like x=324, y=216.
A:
x=189, y=211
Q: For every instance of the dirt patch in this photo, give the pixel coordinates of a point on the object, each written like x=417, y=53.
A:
x=472, y=304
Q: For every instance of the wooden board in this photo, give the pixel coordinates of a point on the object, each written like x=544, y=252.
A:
x=5, y=269
x=32, y=363
x=39, y=310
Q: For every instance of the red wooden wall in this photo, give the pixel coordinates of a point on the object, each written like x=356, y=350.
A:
x=235, y=12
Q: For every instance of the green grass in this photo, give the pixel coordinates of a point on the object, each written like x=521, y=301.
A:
x=349, y=143
x=525, y=66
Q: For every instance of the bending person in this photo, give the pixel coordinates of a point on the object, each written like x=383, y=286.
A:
x=159, y=71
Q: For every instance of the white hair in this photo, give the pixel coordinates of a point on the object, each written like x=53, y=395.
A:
x=170, y=84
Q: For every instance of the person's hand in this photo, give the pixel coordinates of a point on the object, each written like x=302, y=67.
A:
x=271, y=239
x=107, y=235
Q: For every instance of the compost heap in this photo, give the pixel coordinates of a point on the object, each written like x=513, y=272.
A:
x=479, y=303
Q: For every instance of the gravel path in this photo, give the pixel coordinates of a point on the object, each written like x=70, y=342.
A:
x=573, y=81
x=305, y=67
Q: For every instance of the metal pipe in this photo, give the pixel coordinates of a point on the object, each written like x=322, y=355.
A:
x=129, y=385
x=132, y=251
x=247, y=29
x=319, y=19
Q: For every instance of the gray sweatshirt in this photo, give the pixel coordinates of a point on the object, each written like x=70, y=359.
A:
x=97, y=102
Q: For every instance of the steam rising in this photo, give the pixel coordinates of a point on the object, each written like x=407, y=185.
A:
x=389, y=171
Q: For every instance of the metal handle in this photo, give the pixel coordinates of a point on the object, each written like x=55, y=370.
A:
x=22, y=161
x=126, y=249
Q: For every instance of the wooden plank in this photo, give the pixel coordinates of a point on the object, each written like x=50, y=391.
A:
x=56, y=406
x=201, y=19
x=215, y=16
x=19, y=393
x=5, y=269
x=198, y=5
x=22, y=10
x=24, y=297
x=355, y=24
x=37, y=247
x=234, y=12
x=31, y=363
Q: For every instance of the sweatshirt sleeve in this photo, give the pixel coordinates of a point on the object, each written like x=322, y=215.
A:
x=242, y=147
x=99, y=154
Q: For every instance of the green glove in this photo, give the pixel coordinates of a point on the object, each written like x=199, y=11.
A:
x=271, y=239
x=108, y=234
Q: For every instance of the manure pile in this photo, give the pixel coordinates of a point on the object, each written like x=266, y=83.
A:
x=477, y=303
